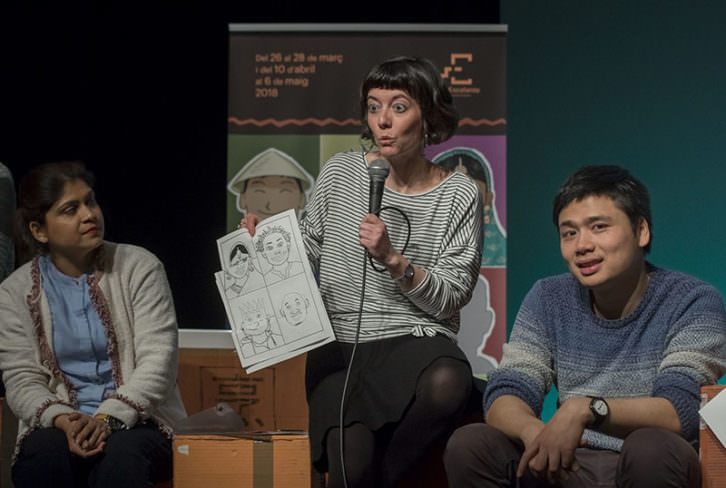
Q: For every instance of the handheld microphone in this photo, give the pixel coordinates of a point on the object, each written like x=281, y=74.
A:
x=377, y=172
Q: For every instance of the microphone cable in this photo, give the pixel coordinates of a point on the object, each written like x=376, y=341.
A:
x=341, y=419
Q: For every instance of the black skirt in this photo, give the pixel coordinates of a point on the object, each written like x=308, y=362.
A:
x=381, y=387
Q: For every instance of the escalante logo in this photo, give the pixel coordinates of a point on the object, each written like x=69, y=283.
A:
x=460, y=85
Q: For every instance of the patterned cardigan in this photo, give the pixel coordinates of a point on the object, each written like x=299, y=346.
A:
x=131, y=295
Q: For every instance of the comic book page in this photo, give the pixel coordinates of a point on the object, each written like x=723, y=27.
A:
x=270, y=294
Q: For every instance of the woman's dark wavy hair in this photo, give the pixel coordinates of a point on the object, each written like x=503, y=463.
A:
x=38, y=191
x=421, y=79
x=629, y=194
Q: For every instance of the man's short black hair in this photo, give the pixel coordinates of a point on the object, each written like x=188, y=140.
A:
x=629, y=194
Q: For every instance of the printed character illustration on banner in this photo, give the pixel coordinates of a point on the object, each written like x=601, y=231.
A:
x=256, y=334
x=294, y=308
x=478, y=329
x=241, y=276
x=473, y=164
x=274, y=245
x=270, y=183
x=479, y=323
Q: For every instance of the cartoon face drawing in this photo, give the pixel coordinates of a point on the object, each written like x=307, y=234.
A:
x=294, y=308
x=239, y=261
x=266, y=196
x=276, y=249
x=254, y=322
x=274, y=244
x=257, y=330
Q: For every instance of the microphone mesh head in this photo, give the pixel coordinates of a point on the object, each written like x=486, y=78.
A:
x=378, y=169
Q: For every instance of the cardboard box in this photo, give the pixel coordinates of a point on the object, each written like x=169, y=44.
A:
x=271, y=460
x=210, y=373
x=713, y=453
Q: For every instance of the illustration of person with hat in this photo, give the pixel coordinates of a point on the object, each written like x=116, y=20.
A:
x=270, y=183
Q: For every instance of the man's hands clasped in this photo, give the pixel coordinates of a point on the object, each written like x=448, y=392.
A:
x=550, y=448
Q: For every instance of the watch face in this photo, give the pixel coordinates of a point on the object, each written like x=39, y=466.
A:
x=600, y=407
x=409, y=271
x=115, y=424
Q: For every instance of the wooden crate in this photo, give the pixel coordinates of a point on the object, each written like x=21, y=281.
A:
x=267, y=400
x=271, y=460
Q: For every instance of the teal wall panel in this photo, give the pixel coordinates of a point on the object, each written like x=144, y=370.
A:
x=634, y=83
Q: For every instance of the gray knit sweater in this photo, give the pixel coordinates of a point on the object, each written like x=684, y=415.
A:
x=674, y=342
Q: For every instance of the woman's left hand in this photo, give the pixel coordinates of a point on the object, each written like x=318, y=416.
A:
x=72, y=425
x=373, y=235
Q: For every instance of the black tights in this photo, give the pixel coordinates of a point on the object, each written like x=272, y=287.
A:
x=383, y=458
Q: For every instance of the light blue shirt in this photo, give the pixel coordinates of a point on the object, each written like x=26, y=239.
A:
x=79, y=340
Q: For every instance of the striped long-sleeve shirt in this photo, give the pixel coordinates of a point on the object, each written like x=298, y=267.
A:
x=445, y=241
x=673, y=342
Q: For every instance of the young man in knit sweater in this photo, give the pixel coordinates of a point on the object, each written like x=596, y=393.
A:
x=627, y=345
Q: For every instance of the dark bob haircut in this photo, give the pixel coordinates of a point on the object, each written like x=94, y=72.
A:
x=629, y=194
x=38, y=191
x=420, y=78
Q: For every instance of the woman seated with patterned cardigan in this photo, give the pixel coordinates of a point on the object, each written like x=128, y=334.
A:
x=88, y=344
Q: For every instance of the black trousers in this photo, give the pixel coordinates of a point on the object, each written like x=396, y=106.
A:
x=138, y=457
x=478, y=455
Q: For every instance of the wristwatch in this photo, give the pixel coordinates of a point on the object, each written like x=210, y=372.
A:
x=113, y=424
x=407, y=274
x=600, y=409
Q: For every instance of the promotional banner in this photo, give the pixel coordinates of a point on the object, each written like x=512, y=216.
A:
x=294, y=103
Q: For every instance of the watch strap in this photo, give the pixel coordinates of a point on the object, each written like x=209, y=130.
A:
x=408, y=273
x=113, y=424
